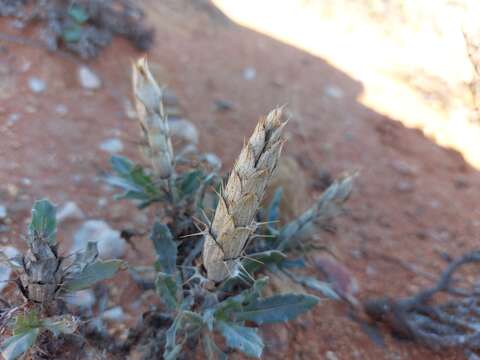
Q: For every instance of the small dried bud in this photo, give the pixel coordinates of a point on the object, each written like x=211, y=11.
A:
x=42, y=273
x=153, y=121
x=233, y=221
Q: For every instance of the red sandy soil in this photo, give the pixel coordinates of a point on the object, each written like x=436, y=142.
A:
x=411, y=215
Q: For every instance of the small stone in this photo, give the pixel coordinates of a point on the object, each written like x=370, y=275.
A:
x=88, y=79
x=12, y=190
x=184, y=129
x=83, y=298
x=30, y=109
x=223, y=105
x=13, y=118
x=334, y=92
x=36, y=85
x=6, y=270
x=25, y=181
x=109, y=242
x=17, y=24
x=403, y=168
x=213, y=160
x=61, y=109
x=114, y=314
x=112, y=145
x=3, y=212
x=249, y=73
x=330, y=355
x=70, y=211
x=405, y=186
x=102, y=202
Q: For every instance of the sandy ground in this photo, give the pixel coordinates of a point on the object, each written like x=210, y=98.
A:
x=413, y=198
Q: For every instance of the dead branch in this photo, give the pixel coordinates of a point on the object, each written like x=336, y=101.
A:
x=453, y=322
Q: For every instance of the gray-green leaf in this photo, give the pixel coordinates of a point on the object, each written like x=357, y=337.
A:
x=241, y=338
x=165, y=247
x=277, y=308
x=256, y=261
x=63, y=324
x=166, y=286
x=15, y=346
x=321, y=286
x=93, y=273
x=44, y=222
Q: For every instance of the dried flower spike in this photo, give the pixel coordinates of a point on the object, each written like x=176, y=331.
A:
x=233, y=221
x=148, y=102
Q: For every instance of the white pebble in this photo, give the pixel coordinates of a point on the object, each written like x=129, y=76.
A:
x=69, y=211
x=183, y=129
x=5, y=270
x=61, y=109
x=36, y=85
x=88, y=79
x=82, y=298
x=110, y=244
x=334, y=92
x=3, y=212
x=213, y=160
x=112, y=145
x=249, y=73
x=114, y=314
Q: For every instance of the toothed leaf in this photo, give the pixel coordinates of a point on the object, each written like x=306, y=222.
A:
x=241, y=338
x=44, y=223
x=91, y=274
x=167, y=289
x=165, y=247
x=15, y=346
x=278, y=308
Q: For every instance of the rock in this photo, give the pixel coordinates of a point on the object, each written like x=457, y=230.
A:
x=5, y=270
x=3, y=212
x=330, y=355
x=249, y=73
x=83, y=298
x=70, y=211
x=403, y=168
x=13, y=118
x=25, y=181
x=213, y=160
x=114, y=314
x=112, y=145
x=36, y=85
x=102, y=202
x=334, y=92
x=404, y=186
x=88, y=79
x=61, y=109
x=223, y=105
x=183, y=129
x=109, y=242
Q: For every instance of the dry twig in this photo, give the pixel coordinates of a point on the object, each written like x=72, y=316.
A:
x=453, y=322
